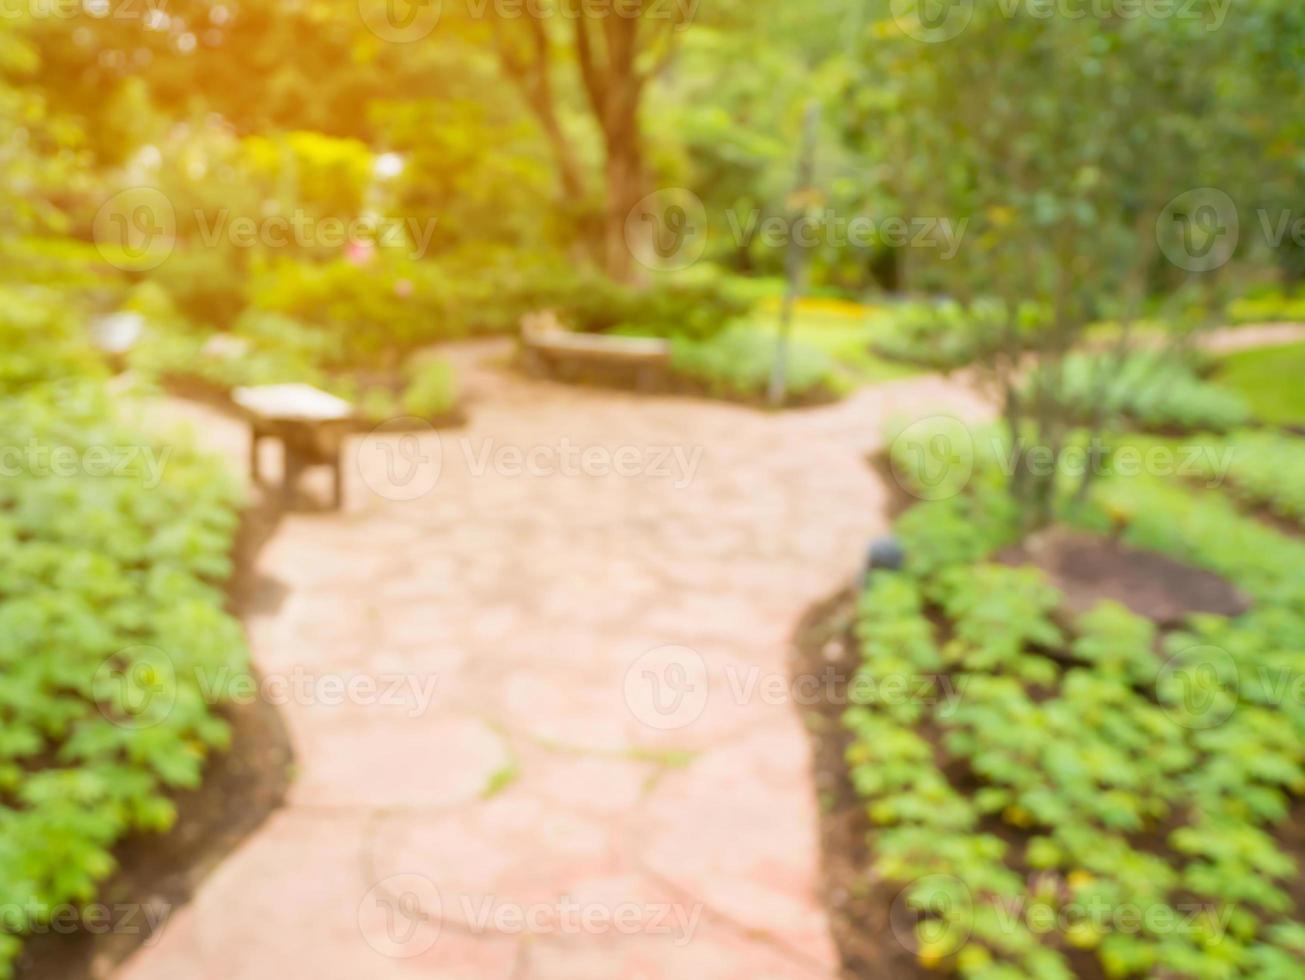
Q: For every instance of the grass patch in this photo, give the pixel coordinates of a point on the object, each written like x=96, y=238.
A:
x=1269, y=379
x=839, y=329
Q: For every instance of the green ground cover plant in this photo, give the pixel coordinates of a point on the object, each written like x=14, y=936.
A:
x=1269, y=379
x=1267, y=469
x=1153, y=391
x=112, y=610
x=945, y=335
x=1268, y=305
x=1088, y=763
x=737, y=363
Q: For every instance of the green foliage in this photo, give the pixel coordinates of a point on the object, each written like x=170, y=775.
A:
x=263, y=348
x=373, y=311
x=1268, y=306
x=1205, y=529
x=1268, y=379
x=1073, y=773
x=1156, y=392
x=696, y=309
x=738, y=364
x=1267, y=469
x=113, y=635
x=39, y=340
x=432, y=390
x=947, y=335
x=1127, y=769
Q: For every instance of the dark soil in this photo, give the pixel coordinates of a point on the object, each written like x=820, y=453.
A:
x=241, y=788
x=1088, y=568
x=859, y=904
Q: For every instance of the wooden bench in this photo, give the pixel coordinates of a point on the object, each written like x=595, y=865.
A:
x=311, y=425
x=549, y=349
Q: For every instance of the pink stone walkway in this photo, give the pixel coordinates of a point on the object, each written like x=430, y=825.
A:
x=566, y=746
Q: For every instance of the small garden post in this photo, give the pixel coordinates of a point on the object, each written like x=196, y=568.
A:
x=795, y=261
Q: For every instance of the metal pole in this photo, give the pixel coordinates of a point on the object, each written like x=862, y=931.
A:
x=796, y=259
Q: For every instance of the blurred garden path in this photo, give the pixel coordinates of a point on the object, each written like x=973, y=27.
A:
x=579, y=628
x=1227, y=340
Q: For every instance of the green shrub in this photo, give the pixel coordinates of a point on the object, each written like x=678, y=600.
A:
x=1156, y=392
x=432, y=390
x=114, y=643
x=40, y=340
x=371, y=313
x=1043, y=767
x=1268, y=378
x=264, y=348
x=207, y=285
x=585, y=300
x=738, y=364
x=1266, y=468
x=1075, y=764
x=946, y=334
x=1268, y=306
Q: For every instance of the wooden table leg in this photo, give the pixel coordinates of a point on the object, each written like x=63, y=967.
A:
x=294, y=467
x=337, y=468
x=255, y=438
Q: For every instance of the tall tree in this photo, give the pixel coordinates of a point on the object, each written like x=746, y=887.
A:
x=617, y=52
x=1095, y=159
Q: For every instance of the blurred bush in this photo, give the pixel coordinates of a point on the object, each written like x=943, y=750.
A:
x=738, y=363
x=116, y=647
x=946, y=334
x=432, y=390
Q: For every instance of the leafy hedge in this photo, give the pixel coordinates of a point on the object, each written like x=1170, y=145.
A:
x=1078, y=771
x=391, y=306
x=947, y=335
x=1153, y=391
x=1266, y=469
x=1268, y=306
x=1268, y=378
x=111, y=616
x=738, y=364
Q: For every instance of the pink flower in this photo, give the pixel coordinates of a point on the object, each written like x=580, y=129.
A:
x=360, y=252
x=403, y=288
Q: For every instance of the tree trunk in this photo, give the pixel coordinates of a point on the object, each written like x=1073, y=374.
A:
x=614, y=85
x=625, y=189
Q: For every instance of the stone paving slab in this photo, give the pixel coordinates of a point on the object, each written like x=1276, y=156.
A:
x=578, y=756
